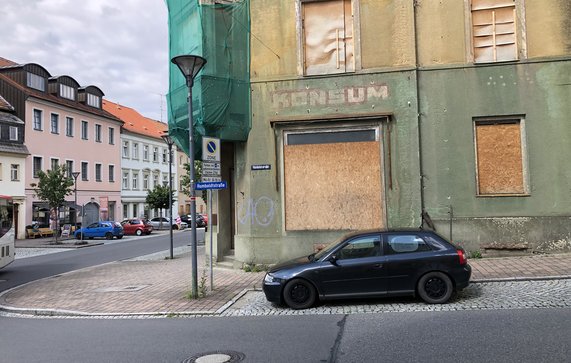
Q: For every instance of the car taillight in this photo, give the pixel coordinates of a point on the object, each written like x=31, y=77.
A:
x=462, y=257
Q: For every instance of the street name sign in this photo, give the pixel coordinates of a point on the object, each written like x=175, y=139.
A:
x=213, y=185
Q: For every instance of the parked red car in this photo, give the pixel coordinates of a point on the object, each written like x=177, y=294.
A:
x=137, y=226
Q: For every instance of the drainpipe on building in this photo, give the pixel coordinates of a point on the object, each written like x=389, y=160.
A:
x=415, y=4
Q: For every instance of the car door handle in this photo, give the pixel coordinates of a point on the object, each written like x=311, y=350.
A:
x=378, y=265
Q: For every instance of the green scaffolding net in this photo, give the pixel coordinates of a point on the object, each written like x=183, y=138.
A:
x=217, y=30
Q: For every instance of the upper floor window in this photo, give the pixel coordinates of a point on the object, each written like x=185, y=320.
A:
x=69, y=126
x=84, y=131
x=155, y=154
x=69, y=167
x=93, y=100
x=84, y=170
x=165, y=153
x=66, y=91
x=125, y=180
x=98, y=172
x=135, y=180
x=494, y=30
x=13, y=133
x=111, y=173
x=38, y=120
x=145, y=152
x=97, y=133
x=54, y=123
x=327, y=42
x=54, y=163
x=111, y=136
x=35, y=81
x=145, y=181
x=136, y=150
x=125, y=149
x=36, y=166
x=15, y=172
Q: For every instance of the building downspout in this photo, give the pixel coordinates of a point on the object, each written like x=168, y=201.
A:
x=424, y=215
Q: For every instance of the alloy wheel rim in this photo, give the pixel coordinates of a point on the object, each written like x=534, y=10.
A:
x=299, y=293
x=435, y=287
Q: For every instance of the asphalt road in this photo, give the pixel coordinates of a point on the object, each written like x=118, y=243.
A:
x=531, y=335
x=29, y=269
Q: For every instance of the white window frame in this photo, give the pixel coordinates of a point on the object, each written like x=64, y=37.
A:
x=125, y=149
x=136, y=150
x=13, y=133
x=85, y=171
x=111, y=170
x=38, y=119
x=14, y=172
x=54, y=123
x=69, y=166
x=54, y=162
x=155, y=154
x=125, y=180
x=98, y=132
x=93, y=100
x=35, y=81
x=66, y=91
x=146, y=152
x=37, y=168
x=69, y=126
x=84, y=130
x=135, y=180
x=111, y=136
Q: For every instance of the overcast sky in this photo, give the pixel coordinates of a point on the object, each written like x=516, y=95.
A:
x=120, y=46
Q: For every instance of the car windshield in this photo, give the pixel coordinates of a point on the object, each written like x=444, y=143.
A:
x=327, y=248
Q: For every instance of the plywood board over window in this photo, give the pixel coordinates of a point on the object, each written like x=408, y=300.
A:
x=333, y=182
x=328, y=43
x=494, y=30
x=500, y=158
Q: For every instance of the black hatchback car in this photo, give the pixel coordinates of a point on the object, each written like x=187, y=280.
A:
x=372, y=263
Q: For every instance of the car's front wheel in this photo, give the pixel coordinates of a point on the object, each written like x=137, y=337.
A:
x=139, y=232
x=435, y=287
x=299, y=294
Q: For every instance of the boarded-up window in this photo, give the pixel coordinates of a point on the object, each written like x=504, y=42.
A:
x=494, y=30
x=328, y=45
x=333, y=180
x=500, y=159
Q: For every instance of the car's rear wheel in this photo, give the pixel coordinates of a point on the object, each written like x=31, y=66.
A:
x=174, y=227
x=108, y=235
x=435, y=287
x=139, y=232
x=299, y=294
x=79, y=236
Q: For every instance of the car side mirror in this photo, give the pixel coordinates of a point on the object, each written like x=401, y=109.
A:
x=333, y=260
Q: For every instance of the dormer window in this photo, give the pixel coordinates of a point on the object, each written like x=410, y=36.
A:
x=66, y=91
x=36, y=82
x=93, y=100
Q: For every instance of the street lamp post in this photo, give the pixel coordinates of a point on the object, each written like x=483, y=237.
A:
x=75, y=174
x=169, y=141
x=190, y=65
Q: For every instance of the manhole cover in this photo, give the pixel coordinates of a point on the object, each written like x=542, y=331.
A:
x=226, y=356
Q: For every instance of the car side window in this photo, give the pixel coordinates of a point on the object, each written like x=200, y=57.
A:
x=368, y=246
x=406, y=244
x=93, y=225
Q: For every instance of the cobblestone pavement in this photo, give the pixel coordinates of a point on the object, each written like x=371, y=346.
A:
x=478, y=296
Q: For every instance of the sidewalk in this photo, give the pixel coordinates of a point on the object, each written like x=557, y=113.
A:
x=151, y=287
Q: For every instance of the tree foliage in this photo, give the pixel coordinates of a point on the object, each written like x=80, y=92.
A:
x=53, y=186
x=185, y=178
x=158, y=198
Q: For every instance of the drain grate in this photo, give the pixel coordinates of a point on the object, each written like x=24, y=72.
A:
x=220, y=356
x=131, y=288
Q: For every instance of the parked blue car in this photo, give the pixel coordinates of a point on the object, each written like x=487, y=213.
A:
x=106, y=230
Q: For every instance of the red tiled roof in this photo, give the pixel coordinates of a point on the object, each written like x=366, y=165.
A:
x=134, y=121
x=58, y=100
x=6, y=62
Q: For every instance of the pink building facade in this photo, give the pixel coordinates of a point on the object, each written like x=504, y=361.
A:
x=65, y=124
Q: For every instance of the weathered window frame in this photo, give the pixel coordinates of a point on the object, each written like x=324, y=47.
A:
x=503, y=120
x=301, y=38
x=520, y=33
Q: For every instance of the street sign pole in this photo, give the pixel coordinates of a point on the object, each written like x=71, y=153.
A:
x=210, y=222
